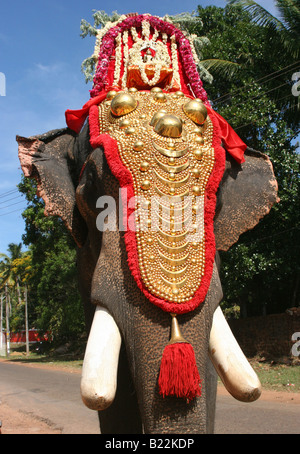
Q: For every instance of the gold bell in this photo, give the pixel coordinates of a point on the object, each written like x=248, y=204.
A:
x=122, y=104
x=196, y=111
x=176, y=335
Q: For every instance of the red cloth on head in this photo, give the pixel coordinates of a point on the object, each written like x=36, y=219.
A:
x=76, y=118
x=232, y=142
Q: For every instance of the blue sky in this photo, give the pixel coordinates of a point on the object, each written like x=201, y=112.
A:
x=41, y=52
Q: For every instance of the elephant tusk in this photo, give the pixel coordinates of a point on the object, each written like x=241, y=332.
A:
x=230, y=362
x=99, y=371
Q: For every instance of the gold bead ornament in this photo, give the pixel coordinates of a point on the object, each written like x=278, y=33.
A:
x=170, y=156
x=169, y=126
x=196, y=111
x=122, y=104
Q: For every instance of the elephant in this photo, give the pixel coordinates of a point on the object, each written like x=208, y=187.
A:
x=127, y=333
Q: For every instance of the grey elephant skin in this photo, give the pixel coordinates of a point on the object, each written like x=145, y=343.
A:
x=246, y=194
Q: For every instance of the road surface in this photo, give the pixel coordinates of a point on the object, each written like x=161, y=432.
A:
x=53, y=397
x=50, y=395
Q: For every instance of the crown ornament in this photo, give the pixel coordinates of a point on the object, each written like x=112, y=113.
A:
x=143, y=51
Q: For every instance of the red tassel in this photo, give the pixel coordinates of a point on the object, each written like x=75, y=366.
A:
x=179, y=375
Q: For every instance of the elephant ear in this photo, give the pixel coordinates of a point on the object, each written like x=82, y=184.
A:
x=247, y=193
x=47, y=158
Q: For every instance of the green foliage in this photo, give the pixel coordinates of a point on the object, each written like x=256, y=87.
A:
x=54, y=301
x=15, y=270
x=59, y=309
x=101, y=18
x=7, y=275
x=260, y=273
x=287, y=30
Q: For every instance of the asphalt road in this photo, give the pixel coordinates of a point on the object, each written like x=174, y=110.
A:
x=50, y=395
x=54, y=396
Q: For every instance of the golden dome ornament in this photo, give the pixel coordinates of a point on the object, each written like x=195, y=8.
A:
x=196, y=190
x=122, y=104
x=146, y=184
x=111, y=94
x=129, y=131
x=196, y=172
x=159, y=114
x=196, y=111
x=169, y=126
x=124, y=123
x=156, y=90
x=200, y=140
x=144, y=166
x=198, y=154
x=138, y=145
x=160, y=97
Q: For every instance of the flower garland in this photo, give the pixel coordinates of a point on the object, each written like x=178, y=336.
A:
x=126, y=58
x=107, y=45
x=161, y=59
x=102, y=32
x=118, y=56
x=176, y=76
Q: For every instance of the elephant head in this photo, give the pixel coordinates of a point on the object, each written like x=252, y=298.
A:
x=143, y=141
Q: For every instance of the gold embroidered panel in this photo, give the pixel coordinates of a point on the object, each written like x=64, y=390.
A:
x=165, y=142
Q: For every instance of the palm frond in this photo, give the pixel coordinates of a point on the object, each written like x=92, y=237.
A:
x=185, y=21
x=220, y=67
x=289, y=11
x=287, y=30
x=259, y=14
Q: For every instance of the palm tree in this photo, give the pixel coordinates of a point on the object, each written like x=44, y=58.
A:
x=15, y=273
x=284, y=33
x=6, y=264
x=286, y=29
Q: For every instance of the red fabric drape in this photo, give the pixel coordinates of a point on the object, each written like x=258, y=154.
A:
x=76, y=118
x=231, y=141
